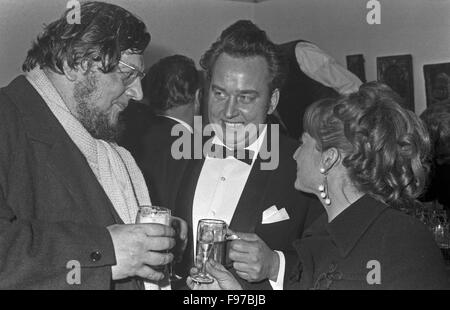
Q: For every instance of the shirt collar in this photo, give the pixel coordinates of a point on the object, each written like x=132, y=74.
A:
x=189, y=127
x=255, y=146
x=350, y=225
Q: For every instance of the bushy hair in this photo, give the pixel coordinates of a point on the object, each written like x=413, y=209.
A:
x=244, y=39
x=384, y=147
x=105, y=31
x=437, y=120
x=171, y=82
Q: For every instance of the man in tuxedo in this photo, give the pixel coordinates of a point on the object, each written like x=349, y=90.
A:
x=171, y=88
x=245, y=72
x=66, y=189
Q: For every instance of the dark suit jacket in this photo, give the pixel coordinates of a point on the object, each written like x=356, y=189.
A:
x=52, y=208
x=298, y=92
x=438, y=185
x=161, y=171
x=264, y=188
x=135, y=121
x=337, y=255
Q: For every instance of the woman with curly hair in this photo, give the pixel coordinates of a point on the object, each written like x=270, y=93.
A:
x=362, y=155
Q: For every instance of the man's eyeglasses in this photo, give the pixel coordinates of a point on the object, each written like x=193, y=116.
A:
x=130, y=76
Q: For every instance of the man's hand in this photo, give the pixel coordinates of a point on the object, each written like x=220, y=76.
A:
x=135, y=248
x=252, y=259
x=223, y=279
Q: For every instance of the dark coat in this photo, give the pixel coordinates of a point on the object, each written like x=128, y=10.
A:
x=298, y=91
x=264, y=188
x=135, y=121
x=438, y=185
x=52, y=208
x=341, y=254
x=162, y=172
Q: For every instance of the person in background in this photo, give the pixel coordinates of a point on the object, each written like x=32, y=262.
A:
x=172, y=90
x=68, y=193
x=361, y=154
x=312, y=75
x=437, y=120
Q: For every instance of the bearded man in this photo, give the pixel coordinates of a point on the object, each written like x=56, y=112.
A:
x=66, y=189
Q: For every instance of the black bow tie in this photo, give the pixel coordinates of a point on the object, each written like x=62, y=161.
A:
x=219, y=151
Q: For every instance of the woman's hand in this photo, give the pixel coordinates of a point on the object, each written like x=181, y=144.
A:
x=223, y=279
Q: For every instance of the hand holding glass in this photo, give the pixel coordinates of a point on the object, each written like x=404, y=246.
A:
x=159, y=215
x=211, y=243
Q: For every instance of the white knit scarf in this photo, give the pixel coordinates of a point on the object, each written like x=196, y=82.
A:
x=113, y=166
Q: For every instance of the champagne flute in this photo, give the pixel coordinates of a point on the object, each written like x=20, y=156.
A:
x=211, y=237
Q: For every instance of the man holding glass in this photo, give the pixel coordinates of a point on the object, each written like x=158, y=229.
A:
x=245, y=72
x=66, y=188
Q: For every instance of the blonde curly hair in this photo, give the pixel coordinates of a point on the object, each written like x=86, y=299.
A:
x=384, y=146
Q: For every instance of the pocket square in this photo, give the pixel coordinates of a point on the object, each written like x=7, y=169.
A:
x=273, y=215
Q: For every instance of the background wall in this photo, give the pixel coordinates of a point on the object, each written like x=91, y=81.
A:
x=417, y=27
x=177, y=26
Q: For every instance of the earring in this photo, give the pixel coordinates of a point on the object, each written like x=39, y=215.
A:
x=323, y=188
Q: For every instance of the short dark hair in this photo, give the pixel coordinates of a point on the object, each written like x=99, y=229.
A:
x=171, y=82
x=244, y=39
x=105, y=31
x=437, y=120
x=385, y=147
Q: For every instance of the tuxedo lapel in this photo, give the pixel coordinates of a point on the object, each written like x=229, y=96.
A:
x=185, y=199
x=250, y=205
x=183, y=209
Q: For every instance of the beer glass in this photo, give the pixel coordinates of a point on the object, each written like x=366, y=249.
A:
x=211, y=243
x=159, y=215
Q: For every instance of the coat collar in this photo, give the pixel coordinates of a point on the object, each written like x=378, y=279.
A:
x=63, y=157
x=349, y=226
x=22, y=93
x=250, y=204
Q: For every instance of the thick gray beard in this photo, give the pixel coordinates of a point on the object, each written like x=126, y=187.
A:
x=94, y=121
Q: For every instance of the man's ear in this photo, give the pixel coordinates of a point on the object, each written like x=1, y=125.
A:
x=72, y=74
x=273, y=101
x=330, y=158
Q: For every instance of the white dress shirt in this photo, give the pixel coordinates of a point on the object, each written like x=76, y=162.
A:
x=322, y=68
x=219, y=189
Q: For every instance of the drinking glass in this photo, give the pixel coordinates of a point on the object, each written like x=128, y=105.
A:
x=211, y=243
x=439, y=227
x=159, y=215
x=153, y=214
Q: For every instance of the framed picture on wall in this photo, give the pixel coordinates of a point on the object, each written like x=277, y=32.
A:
x=355, y=64
x=396, y=71
x=437, y=83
